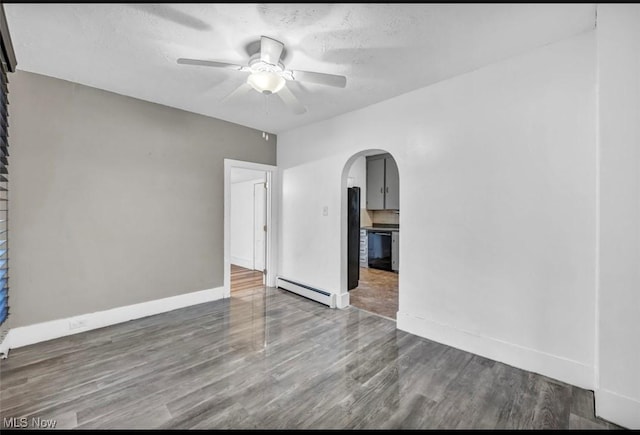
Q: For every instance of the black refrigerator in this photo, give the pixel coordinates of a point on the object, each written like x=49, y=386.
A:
x=353, y=237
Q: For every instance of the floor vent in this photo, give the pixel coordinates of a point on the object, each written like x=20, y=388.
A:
x=309, y=292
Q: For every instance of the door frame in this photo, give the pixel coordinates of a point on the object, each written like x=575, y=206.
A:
x=264, y=222
x=271, y=176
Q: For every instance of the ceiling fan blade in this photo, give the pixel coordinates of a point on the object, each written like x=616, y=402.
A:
x=291, y=101
x=239, y=91
x=320, y=78
x=270, y=50
x=212, y=63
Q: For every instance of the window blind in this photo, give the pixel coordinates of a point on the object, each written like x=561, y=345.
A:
x=4, y=197
x=7, y=65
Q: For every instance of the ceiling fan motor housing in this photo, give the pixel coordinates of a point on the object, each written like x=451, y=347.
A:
x=258, y=65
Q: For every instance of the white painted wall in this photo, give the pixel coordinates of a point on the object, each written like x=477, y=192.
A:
x=497, y=176
x=618, y=393
x=242, y=223
x=358, y=175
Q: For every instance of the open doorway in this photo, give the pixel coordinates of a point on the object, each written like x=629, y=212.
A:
x=372, y=219
x=249, y=227
x=248, y=230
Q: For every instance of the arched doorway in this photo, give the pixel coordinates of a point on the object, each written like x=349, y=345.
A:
x=370, y=232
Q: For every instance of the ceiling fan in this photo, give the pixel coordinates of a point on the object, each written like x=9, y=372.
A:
x=268, y=75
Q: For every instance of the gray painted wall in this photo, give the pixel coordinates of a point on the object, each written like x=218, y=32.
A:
x=114, y=200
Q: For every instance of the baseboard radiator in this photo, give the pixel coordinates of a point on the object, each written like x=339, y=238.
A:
x=309, y=292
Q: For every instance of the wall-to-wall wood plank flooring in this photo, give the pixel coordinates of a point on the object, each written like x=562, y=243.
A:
x=377, y=292
x=243, y=279
x=270, y=359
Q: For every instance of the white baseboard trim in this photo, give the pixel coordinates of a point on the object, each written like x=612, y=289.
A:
x=553, y=366
x=242, y=262
x=618, y=409
x=4, y=345
x=342, y=300
x=36, y=333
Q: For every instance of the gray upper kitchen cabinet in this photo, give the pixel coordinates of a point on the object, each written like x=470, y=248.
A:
x=375, y=184
x=383, y=183
x=392, y=188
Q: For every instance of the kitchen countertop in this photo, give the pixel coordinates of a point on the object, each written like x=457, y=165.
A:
x=382, y=227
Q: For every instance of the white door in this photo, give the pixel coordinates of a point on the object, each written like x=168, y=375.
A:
x=259, y=222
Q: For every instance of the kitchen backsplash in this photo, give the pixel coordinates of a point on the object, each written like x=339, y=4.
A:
x=384, y=216
x=366, y=217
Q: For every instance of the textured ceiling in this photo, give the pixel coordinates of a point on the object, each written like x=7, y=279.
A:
x=383, y=49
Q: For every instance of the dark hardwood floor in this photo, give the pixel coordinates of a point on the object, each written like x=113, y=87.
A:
x=377, y=292
x=270, y=359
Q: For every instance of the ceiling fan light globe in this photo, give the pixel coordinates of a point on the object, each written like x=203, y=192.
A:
x=266, y=82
